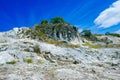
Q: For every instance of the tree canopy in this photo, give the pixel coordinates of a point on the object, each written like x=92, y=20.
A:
x=112, y=34
x=44, y=22
x=57, y=20
x=86, y=33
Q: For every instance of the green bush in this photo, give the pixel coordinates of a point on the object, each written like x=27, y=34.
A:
x=44, y=22
x=86, y=33
x=112, y=34
x=11, y=62
x=28, y=60
x=57, y=20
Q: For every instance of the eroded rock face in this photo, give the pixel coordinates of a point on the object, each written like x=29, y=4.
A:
x=59, y=32
x=63, y=33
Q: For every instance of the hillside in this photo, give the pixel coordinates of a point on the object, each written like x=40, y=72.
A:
x=57, y=52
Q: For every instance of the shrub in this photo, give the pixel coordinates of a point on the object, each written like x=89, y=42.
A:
x=44, y=22
x=28, y=60
x=112, y=34
x=86, y=33
x=57, y=20
x=11, y=62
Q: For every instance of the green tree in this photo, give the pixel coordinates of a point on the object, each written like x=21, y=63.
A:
x=86, y=33
x=44, y=22
x=57, y=20
x=112, y=34
x=107, y=33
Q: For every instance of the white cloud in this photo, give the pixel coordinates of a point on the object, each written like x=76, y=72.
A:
x=110, y=16
x=118, y=31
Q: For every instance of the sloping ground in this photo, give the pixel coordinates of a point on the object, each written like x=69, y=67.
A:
x=27, y=59
x=114, y=40
x=102, y=41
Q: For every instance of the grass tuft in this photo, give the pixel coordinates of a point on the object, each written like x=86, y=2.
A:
x=28, y=60
x=11, y=62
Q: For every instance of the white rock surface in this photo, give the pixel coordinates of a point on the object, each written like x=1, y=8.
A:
x=5, y=57
x=54, y=62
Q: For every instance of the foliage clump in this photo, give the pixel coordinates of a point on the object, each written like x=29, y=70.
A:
x=44, y=22
x=29, y=60
x=11, y=62
x=112, y=34
x=88, y=35
x=54, y=30
x=57, y=20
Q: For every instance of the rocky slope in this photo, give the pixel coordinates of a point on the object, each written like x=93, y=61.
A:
x=24, y=58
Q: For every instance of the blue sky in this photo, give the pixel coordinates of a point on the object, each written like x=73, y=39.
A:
x=85, y=14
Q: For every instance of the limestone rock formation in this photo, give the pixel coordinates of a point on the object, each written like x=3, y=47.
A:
x=58, y=32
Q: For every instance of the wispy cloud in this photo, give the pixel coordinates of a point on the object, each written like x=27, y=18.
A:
x=118, y=31
x=110, y=16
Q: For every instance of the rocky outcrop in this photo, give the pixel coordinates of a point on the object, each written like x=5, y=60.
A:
x=63, y=33
x=58, y=32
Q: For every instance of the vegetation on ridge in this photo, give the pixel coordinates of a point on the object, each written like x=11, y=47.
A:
x=57, y=32
x=60, y=33
x=112, y=34
x=57, y=20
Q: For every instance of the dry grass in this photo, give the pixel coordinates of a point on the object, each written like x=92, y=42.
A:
x=61, y=43
x=91, y=45
x=54, y=42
